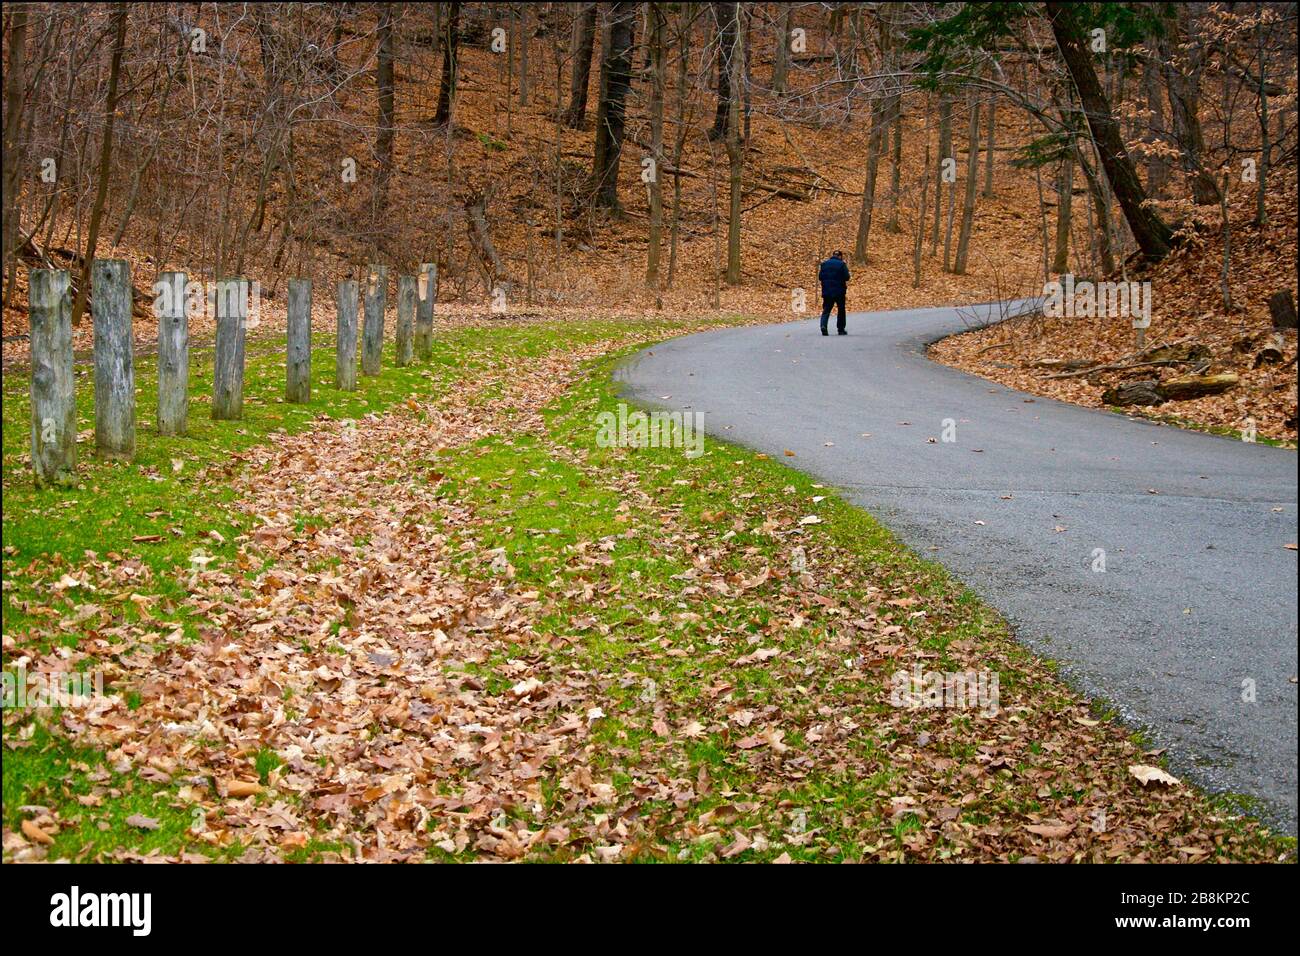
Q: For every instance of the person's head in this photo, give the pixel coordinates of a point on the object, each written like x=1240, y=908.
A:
x=837, y=254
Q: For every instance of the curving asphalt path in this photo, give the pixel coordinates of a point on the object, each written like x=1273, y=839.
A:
x=1198, y=595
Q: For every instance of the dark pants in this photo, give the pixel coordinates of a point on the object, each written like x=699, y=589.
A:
x=838, y=302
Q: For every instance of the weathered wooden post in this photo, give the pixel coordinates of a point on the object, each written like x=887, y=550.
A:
x=298, y=367
x=228, y=374
x=372, y=345
x=405, y=319
x=345, y=362
x=424, y=310
x=171, y=306
x=114, y=359
x=54, y=406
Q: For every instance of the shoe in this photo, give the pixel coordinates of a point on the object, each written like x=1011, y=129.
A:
x=841, y=332
x=824, y=332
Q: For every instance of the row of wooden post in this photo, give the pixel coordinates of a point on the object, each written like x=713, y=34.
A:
x=54, y=413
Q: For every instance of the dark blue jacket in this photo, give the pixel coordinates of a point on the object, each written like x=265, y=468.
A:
x=834, y=277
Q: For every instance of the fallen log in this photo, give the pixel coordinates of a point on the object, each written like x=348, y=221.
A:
x=1268, y=356
x=1180, y=352
x=1150, y=391
x=1066, y=365
x=1199, y=365
x=1142, y=392
x=1197, y=386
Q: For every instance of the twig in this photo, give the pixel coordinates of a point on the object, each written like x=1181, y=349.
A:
x=1198, y=364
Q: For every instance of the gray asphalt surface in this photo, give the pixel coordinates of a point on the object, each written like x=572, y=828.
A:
x=1198, y=595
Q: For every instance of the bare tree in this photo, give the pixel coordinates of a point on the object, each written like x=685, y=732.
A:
x=15, y=105
x=611, y=111
x=584, y=40
x=735, y=151
x=659, y=76
x=1153, y=236
x=972, y=175
x=450, y=51
x=726, y=16
x=105, y=161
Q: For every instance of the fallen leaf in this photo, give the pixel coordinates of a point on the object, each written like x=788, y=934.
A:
x=1148, y=774
x=35, y=833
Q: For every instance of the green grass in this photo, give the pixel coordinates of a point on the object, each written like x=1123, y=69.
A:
x=546, y=511
x=100, y=811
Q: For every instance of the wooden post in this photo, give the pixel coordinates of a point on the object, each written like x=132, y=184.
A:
x=114, y=359
x=428, y=290
x=372, y=345
x=405, y=319
x=298, y=367
x=54, y=406
x=173, y=353
x=345, y=362
x=228, y=376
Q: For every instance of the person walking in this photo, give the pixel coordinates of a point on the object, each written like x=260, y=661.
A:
x=834, y=277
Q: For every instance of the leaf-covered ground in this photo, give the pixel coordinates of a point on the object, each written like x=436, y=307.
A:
x=436, y=621
x=1187, y=307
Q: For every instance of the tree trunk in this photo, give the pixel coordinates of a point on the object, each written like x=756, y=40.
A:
x=345, y=360
x=1261, y=174
x=523, y=54
x=1064, y=200
x=53, y=388
x=781, y=64
x=424, y=310
x=405, y=331
x=385, y=119
x=990, y=128
x=173, y=355
x=683, y=32
x=372, y=338
x=297, y=368
x=480, y=237
x=735, y=152
x=921, y=212
x=15, y=102
x=1184, y=105
x=114, y=360
x=895, y=162
x=658, y=71
x=1101, y=205
x=228, y=370
x=450, y=53
x=725, y=16
x=615, y=82
x=875, y=144
x=972, y=175
x=1281, y=308
x=1157, y=165
x=1153, y=236
x=945, y=152
x=584, y=40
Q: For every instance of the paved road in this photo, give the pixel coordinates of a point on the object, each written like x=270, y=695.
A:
x=1199, y=591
